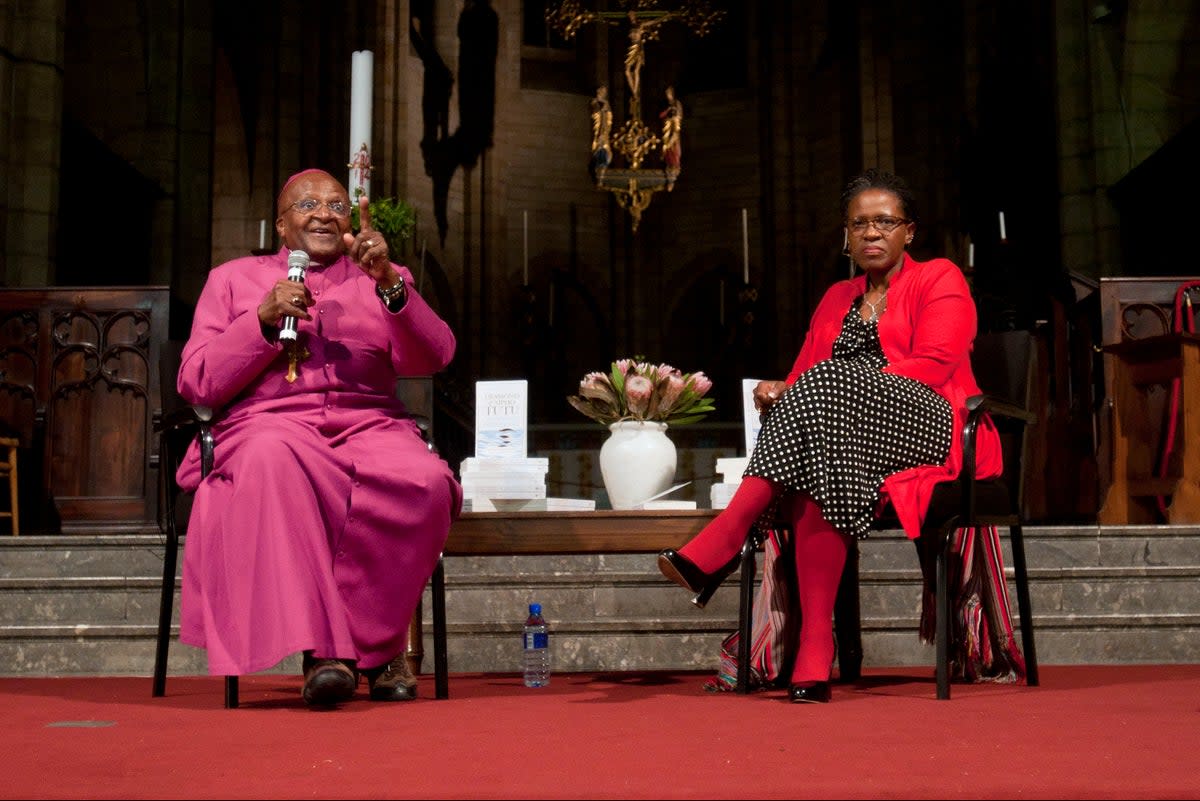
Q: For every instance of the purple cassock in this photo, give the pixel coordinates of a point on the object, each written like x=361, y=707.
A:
x=324, y=513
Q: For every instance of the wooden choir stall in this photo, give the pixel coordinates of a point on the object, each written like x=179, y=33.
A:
x=79, y=390
x=1152, y=404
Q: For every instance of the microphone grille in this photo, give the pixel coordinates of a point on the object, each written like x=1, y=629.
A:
x=297, y=259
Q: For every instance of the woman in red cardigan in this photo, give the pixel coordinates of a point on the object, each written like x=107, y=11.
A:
x=872, y=409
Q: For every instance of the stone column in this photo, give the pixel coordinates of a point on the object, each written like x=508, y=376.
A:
x=31, y=63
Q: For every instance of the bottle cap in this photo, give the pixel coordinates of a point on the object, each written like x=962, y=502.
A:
x=535, y=609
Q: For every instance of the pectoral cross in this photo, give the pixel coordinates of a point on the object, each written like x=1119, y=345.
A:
x=296, y=354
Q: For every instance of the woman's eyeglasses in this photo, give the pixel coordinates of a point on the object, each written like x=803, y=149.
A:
x=884, y=225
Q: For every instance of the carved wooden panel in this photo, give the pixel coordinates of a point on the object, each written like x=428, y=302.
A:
x=79, y=385
x=1132, y=309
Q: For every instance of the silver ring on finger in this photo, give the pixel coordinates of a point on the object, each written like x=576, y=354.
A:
x=298, y=301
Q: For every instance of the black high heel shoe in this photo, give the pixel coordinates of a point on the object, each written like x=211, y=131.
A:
x=810, y=692
x=681, y=570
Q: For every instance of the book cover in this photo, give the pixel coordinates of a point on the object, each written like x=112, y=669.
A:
x=504, y=493
x=721, y=494
x=668, y=505
x=501, y=419
x=732, y=468
x=749, y=413
x=512, y=464
x=486, y=482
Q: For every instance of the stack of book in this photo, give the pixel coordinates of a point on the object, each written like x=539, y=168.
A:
x=513, y=484
x=500, y=477
x=506, y=478
x=731, y=470
x=530, y=505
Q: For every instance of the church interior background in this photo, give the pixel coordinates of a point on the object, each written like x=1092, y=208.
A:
x=1050, y=143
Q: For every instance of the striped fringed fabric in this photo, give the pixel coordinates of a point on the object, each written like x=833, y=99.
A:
x=775, y=626
x=982, y=648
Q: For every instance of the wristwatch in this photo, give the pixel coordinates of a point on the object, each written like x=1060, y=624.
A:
x=394, y=296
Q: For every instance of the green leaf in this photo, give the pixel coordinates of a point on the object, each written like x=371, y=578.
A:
x=395, y=219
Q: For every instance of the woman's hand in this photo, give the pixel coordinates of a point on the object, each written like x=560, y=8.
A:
x=766, y=393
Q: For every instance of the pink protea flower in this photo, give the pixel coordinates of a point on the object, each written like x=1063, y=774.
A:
x=638, y=389
x=672, y=389
x=635, y=389
x=597, y=385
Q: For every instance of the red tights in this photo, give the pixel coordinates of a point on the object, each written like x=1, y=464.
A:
x=820, y=557
x=722, y=539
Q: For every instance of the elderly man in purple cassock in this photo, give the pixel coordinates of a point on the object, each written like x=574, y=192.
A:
x=325, y=513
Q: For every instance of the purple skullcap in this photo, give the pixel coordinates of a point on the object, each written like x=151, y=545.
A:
x=297, y=177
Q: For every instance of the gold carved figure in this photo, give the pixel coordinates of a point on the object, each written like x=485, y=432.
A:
x=634, y=141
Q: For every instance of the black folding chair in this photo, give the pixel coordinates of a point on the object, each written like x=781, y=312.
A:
x=1003, y=363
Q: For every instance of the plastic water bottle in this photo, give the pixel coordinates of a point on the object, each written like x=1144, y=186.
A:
x=537, y=648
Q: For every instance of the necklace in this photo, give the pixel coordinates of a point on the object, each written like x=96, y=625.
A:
x=874, y=306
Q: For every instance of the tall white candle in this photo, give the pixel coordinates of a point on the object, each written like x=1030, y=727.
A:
x=525, y=252
x=745, y=249
x=970, y=254
x=1003, y=233
x=262, y=234
x=362, y=67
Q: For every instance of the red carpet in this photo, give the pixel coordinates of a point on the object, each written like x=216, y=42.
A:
x=1087, y=732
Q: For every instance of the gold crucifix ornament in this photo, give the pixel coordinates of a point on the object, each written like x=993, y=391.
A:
x=633, y=184
x=296, y=353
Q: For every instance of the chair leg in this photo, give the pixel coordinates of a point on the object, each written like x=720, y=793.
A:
x=441, y=679
x=847, y=619
x=1021, y=579
x=942, y=634
x=414, y=652
x=746, y=611
x=14, y=493
x=231, y=692
x=166, y=605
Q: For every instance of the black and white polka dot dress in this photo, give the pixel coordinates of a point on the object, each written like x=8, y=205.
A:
x=844, y=426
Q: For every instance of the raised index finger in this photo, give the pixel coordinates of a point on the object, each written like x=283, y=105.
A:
x=364, y=213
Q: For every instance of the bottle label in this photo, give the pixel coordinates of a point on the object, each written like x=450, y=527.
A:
x=537, y=640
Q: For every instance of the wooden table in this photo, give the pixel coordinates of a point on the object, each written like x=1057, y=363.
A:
x=552, y=533
x=640, y=531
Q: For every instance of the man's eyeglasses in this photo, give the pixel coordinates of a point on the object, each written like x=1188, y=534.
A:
x=310, y=205
x=884, y=225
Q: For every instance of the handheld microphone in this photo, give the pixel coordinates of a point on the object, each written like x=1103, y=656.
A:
x=297, y=264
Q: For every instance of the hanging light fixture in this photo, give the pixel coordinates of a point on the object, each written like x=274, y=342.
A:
x=634, y=162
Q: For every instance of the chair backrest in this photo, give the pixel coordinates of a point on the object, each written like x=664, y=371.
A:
x=416, y=392
x=1003, y=362
x=173, y=443
x=1005, y=365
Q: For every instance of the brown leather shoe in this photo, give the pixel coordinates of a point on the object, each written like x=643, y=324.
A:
x=393, y=682
x=328, y=681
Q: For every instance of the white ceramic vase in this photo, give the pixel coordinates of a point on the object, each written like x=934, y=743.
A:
x=637, y=462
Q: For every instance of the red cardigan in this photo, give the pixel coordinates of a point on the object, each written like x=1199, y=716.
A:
x=927, y=334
